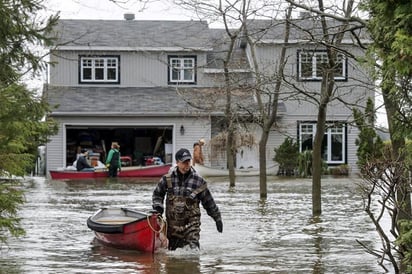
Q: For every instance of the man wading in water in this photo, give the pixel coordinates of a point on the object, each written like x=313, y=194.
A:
x=184, y=189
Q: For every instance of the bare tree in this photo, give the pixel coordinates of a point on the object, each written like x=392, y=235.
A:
x=236, y=17
x=333, y=29
x=381, y=184
x=267, y=83
x=267, y=89
x=226, y=46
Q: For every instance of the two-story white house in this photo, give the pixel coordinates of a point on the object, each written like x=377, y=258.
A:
x=153, y=87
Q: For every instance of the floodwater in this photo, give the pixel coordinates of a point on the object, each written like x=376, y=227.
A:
x=276, y=235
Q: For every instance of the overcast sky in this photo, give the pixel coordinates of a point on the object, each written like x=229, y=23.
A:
x=106, y=9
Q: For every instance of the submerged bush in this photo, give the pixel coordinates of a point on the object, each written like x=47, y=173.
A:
x=286, y=155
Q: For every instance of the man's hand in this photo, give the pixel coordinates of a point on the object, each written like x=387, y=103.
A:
x=219, y=226
x=158, y=209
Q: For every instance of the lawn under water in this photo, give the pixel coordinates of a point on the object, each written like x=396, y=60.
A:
x=275, y=235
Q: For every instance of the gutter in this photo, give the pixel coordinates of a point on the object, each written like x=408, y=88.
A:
x=131, y=114
x=299, y=41
x=146, y=49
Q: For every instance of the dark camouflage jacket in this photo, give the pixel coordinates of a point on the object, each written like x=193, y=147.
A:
x=184, y=186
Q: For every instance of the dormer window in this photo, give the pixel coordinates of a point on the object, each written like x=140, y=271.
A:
x=99, y=69
x=312, y=63
x=182, y=70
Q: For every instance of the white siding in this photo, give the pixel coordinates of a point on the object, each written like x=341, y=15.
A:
x=247, y=156
x=56, y=150
x=356, y=90
x=352, y=148
x=137, y=69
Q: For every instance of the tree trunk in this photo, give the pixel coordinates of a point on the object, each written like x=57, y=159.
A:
x=326, y=90
x=230, y=144
x=230, y=156
x=403, y=194
x=262, y=164
x=317, y=162
x=230, y=131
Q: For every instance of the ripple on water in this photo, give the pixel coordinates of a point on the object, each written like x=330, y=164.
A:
x=275, y=235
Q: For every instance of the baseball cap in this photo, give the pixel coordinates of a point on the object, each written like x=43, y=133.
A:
x=183, y=155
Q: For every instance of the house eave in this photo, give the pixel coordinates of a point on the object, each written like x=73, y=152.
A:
x=216, y=70
x=281, y=112
x=128, y=114
x=302, y=41
x=146, y=49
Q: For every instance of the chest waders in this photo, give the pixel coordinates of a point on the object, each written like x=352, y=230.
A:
x=183, y=217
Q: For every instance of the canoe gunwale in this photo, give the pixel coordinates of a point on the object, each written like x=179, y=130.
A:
x=133, y=171
x=97, y=226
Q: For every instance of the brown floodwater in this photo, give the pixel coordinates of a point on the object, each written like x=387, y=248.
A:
x=276, y=235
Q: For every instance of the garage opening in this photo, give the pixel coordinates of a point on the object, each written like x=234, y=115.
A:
x=139, y=145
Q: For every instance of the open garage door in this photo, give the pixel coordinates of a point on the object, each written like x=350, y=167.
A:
x=139, y=145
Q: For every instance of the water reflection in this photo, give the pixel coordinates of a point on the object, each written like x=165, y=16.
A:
x=316, y=233
x=137, y=261
x=274, y=235
x=178, y=262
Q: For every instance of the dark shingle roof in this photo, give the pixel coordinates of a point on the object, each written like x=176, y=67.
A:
x=304, y=29
x=131, y=33
x=109, y=100
x=153, y=101
x=221, y=43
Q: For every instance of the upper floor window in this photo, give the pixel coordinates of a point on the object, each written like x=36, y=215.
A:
x=99, y=69
x=333, y=143
x=312, y=63
x=182, y=70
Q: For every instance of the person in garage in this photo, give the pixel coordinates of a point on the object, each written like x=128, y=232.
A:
x=113, y=162
x=81, y=163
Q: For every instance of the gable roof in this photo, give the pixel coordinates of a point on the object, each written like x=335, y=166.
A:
x=132, y=35
x=305, y=30
x=221, y=43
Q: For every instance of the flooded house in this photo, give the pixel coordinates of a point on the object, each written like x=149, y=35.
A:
x=156, y=86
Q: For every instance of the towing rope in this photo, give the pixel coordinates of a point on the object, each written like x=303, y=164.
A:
x=163, y=224
x=162, y=232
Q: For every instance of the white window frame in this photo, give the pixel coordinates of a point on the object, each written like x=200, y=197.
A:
x=94, y=63
x=182, y=69
x=332, y=130
x=313, y=59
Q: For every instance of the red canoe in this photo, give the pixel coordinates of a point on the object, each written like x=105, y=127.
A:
x=133, y=171
x=128, y=229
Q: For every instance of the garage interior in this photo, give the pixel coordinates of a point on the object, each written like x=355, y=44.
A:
x=138, y=145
